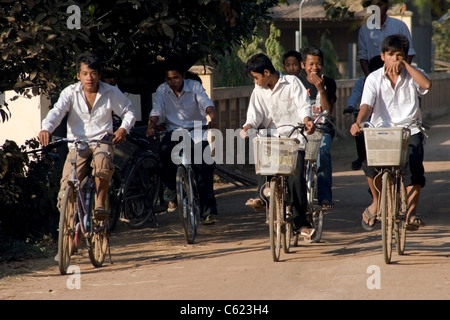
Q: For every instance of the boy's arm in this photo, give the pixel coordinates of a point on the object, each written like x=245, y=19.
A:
x=419, y=77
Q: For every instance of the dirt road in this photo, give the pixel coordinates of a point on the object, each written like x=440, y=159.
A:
x=232, y=259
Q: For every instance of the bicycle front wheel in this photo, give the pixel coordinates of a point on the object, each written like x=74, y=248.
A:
x=187, y=206
x=387, y=216
x=97, y=237
x=275, y=218
x=66, y=236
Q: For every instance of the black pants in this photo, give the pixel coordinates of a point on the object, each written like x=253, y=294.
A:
x=297, y=192
x=204, y=174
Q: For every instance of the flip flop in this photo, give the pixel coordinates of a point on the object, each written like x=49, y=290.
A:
x=327, y=204
x=254, y=203
x=414, y=223
x=370, y=216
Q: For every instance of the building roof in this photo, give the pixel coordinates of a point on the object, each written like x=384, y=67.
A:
x=314, y=10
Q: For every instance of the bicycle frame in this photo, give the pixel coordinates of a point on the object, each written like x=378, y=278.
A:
x=76, y=207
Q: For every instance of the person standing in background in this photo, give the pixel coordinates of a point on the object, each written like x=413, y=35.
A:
x=370, y=39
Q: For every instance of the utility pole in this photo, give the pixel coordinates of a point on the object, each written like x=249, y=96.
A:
x=298, y=34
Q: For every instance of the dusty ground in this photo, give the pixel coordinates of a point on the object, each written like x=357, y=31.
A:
x=232, y=259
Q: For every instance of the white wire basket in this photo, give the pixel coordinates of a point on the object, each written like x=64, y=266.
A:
x=386, y=146
x=275, y=155
x=313, y=145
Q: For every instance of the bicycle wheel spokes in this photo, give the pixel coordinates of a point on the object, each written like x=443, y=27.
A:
x=98, y=238
x=98, y=243
x=186, y=205
x=67, y=217
x=317, y=224
x=137, y=203
x=287, y=233
x=275, y=217
x=387, y=216
x=400, y=222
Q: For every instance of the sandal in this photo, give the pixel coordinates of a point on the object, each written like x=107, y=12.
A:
x=369, y=216
x=414, y=223
x=327, y=204
x=255, y=203
x=307, y=232
x=172, y=206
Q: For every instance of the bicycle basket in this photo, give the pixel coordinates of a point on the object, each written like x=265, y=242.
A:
x=123, y=153
x=313, y=145
x=275, y=155
x=386, y=146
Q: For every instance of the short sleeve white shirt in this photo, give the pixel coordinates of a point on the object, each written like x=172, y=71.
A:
x=397, y=105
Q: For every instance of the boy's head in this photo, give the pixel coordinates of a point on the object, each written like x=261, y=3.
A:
x=394, y=43
x=367, y=3
x=292, y=62
x=258, y=63
x=260, y=68
x=89, y=59
x=312, y=60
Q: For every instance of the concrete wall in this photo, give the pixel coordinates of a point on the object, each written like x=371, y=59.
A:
x=26, y=117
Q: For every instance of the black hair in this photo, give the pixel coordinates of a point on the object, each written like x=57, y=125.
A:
x=258, y=63
x=292, y=53
x=312, y=51
x=91, y=60
x=395, y=42
x=366, y=3
x=174, y=63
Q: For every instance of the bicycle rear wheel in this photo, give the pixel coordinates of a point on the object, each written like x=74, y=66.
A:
x=67, y=218
x=287, y=232
x=314, y=211
x=387, y=216
x=139, y=194
x=188, y=209
x=400, y=222
x=114, y=201
x=275, y=218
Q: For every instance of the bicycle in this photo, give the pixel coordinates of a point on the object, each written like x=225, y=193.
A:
x=277, y=159
x=135, y=186
x=188, y=198
x=387, y=150
x=76, y=215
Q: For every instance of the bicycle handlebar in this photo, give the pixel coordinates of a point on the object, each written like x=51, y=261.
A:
x=422, y=127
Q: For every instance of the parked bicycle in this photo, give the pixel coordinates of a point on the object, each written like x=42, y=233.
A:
x=77, y=213
x=135, y=186
x=387, y=150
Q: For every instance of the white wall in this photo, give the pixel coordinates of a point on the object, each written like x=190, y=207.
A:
x=26, y=117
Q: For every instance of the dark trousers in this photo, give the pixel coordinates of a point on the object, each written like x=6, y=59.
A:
x=297, y=192
x=204, y=174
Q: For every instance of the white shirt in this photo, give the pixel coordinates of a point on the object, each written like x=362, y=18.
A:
x=287, y=103
x=369, y=40
x=85, y=125
x=397, y=105
x=181, y=112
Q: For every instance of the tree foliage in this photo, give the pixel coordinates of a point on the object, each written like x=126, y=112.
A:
x=40, y=38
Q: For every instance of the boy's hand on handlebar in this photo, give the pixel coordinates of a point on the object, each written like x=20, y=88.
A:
x=310, y=127
x=355, y=129
x=119, y=136
x=44, y=137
